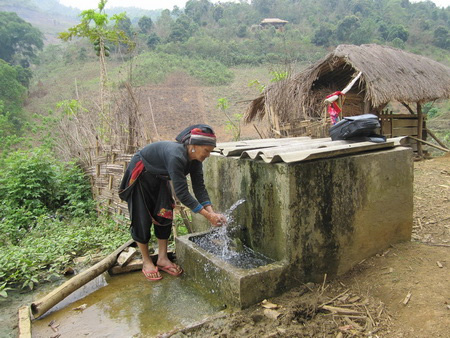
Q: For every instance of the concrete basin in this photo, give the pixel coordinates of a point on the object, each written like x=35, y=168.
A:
x=236, y=287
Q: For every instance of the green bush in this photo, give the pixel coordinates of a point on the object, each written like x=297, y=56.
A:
x=8, y=134
x=47, y=217
x=34, y=184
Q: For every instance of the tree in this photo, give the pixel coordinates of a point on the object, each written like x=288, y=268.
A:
x=263, y=6
x=12, y=94
x=95, y=26
x=153, y=40
x=346, y=27
x=125, y=26
x=242, y=31
x=164, y=24
x=19, y=40
x=12, y=91
x=218, y=12
x=322, y=36
x=441, y=37
x=176, y=11
x=145, y=24
x=197, y=10
x=182, y=29
x=397, y=31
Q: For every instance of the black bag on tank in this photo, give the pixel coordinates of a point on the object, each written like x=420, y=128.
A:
x=360, y=127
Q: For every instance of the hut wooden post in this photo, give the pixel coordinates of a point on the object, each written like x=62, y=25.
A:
x=419, y=128
x=366, y=107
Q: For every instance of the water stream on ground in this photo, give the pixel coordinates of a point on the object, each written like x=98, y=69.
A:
x=129, y=306
x=225, y=243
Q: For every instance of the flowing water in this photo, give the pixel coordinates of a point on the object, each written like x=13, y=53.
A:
x=223, y=243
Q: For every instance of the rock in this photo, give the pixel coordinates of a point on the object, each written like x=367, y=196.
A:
x=272, y=314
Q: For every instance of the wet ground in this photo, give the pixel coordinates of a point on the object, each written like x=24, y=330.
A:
x=129, y=306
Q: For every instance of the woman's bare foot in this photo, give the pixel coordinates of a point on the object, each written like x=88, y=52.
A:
x=151, y=272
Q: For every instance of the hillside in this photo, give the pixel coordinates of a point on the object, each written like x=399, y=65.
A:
x=51, y=17
x=49, y=21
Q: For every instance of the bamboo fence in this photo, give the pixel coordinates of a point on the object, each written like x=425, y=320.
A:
x=105, y=170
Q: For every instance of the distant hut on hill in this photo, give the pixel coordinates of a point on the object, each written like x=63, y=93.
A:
x=273, y=22
x=295, y=106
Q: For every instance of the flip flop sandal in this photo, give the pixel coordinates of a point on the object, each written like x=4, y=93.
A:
x=174, y=270
x=147, y=274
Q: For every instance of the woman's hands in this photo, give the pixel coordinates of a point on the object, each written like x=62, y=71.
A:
x=214, y=218
x=217, y=220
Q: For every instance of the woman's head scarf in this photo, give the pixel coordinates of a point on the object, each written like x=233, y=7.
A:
x=199, y=134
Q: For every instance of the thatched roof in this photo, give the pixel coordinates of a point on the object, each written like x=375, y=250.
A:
x=388, y=74
x=273, y=21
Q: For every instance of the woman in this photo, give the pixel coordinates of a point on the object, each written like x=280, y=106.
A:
x=146, y=188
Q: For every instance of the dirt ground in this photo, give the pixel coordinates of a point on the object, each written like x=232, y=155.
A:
x=401, y=292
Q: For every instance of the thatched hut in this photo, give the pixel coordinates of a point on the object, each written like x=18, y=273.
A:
x=388, y=75
x=273, y=22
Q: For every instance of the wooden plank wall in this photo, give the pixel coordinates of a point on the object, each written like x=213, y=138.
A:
x=393, y=125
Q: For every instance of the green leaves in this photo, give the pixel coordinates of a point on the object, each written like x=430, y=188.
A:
x=34, y=184
x=98, y=27
x=51, y=246
x=12, y=91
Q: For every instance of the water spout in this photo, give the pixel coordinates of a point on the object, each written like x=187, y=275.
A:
x=231, y=209
x=226, y=243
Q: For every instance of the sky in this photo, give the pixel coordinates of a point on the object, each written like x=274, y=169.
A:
x=145, y=4
x=162, y=4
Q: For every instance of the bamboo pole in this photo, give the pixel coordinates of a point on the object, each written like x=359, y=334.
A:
x=41, y=306
x=24, y=322
x=260, y=136
x=153, y=120
x=429, y=144
x=435, y=138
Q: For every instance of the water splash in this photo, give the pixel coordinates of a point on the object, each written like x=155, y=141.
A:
x=223, y=243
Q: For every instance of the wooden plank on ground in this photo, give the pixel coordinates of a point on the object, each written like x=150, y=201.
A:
x=134, y=265
x=126, y=256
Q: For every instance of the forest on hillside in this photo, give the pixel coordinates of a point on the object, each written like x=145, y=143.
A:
x=206, y=40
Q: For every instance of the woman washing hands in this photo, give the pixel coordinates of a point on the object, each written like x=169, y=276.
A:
x=146, y=188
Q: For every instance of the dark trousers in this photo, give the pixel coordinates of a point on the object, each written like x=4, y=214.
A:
x=145, y=198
